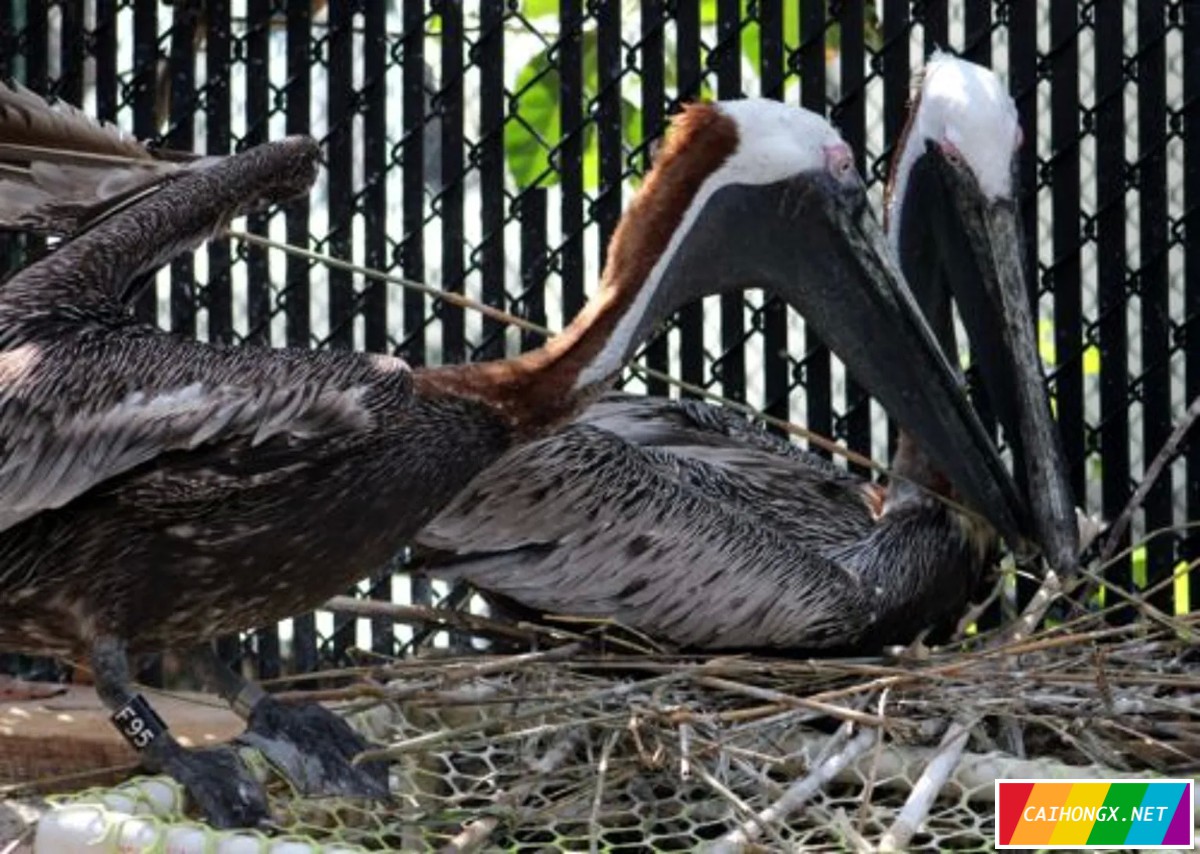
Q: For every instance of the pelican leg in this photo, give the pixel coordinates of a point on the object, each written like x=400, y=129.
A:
x=310, y=745
x=215, y=778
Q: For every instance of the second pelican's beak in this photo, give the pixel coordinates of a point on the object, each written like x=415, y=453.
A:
x=970, y=245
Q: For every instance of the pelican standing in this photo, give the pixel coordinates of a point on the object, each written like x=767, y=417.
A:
x=160, y=492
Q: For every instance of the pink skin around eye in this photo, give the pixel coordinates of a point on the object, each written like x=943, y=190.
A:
x=839, y=159
x=950, y=150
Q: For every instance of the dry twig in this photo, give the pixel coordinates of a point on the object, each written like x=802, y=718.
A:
x=798, y=793
x=927, y=787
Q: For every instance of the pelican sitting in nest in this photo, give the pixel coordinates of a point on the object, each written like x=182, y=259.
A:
x=680, y=520
x=160, y=492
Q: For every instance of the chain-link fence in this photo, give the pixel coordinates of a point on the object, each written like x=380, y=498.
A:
x=489, y=148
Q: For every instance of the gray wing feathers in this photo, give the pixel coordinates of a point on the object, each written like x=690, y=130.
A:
x=59, y=443
x=692, y=428
x=587, y=524
x=663, y=440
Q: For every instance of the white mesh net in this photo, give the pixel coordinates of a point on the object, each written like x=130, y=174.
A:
x=539, y=752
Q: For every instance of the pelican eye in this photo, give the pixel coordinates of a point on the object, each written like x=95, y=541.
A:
x=839, y=160
x=951, y=152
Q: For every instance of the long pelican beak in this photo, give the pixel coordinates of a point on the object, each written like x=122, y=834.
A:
x=824, y=252
x=975, y=244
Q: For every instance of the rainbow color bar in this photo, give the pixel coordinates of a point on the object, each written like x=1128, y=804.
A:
x=1094, y=813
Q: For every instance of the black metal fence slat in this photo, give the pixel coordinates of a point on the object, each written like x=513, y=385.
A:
x=180, y=135
x=1111, y=263
x=69, y=85
x=144, y=90
x=488, y=54
x=1155, y=377
x=818, y=388
x=606, y=113
x=256, y=44
x=37, y=30
x=412, y=247
x=104, y=42
x=11, y=251
x=217, y=114
x=531, y=210
x=298, y=91
x=9, y=52
x=1189, y=334
x=653, y=85
x=1065, y=271
x=727, y=58
x=36, y=76
x=896, y=73
x=977, y=32
x=690, y=76
x=1022, y=83
x=449, y=110
x=850, y=117
x=375, y=167
x=776, y=377
x=570, y=155
x=935, y=20
x=339, y=167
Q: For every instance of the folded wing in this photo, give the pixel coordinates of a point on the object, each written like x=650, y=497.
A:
x=75, y=415
x=660, y=513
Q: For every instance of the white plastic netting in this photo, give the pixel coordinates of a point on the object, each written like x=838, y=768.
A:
x=568, y=750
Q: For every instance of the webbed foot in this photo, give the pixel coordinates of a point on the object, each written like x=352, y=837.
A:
x=217, y=781
x=314, y=749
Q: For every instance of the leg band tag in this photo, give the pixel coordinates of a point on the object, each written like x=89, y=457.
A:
x=139, y=723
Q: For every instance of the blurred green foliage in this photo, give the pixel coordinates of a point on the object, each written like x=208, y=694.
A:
x=534, y=131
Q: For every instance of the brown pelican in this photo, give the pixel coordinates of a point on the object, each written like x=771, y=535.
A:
x=679, y=520
x=158, y=492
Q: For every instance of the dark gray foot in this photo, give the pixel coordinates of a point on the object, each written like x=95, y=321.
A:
x=216, y=780
x=313, y=748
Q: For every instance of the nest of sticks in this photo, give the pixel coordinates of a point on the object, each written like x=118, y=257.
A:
x=597, y=740
x=590, y=738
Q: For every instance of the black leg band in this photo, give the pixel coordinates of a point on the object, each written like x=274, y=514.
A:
x=139, y=723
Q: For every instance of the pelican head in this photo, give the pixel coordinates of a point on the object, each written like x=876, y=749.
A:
x=953, y=219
